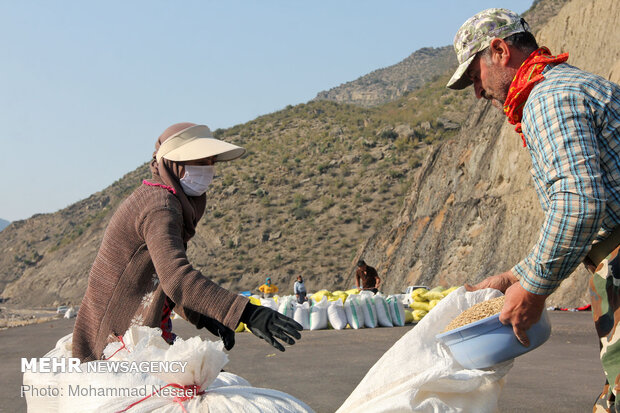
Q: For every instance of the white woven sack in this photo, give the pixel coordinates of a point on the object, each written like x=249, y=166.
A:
x=205, y=359
x=71, y=313
x=47, y=404
x=226, y=392
x=228, y=379
x=419, y=374
x=396, y=310
x=269, y=302
x=244, y=400
x=354, y=311
x=286, y=306
x=336, y=315
x=302, y=314
x=225, y=399
x=384, y=319
x=368, y=307
x=318, y=315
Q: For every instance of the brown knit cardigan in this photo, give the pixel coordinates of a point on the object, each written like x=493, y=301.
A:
x=142, y=260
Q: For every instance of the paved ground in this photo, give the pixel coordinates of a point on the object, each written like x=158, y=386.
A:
x=564, y=375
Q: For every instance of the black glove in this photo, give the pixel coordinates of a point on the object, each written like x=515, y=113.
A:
x=218, y=329
x=268, y=324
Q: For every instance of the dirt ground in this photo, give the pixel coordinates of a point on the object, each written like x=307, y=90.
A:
x=322, y=369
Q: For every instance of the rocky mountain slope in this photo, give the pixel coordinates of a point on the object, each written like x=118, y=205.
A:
x=472, y=210
x=322, y=184
x=45, y=259
x=385, y=85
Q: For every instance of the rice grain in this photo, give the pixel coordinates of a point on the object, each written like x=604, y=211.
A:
x=477, y=312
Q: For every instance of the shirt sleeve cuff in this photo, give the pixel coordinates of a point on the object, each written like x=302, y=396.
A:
x=534, y=283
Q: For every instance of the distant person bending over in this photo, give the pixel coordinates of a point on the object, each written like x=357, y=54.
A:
x=569, y=121
x=299, y=289
x=268, y=289
x=366, y=277
x=141, y=272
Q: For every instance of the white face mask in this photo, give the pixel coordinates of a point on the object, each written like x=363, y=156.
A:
x=197, y=178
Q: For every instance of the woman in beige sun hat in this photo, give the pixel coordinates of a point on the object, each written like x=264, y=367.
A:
x=141, y=271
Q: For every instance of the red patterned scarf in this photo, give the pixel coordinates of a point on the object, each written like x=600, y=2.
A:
x=526, y=78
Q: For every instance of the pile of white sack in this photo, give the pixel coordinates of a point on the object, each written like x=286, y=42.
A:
x=360, y=310
x=200, y=386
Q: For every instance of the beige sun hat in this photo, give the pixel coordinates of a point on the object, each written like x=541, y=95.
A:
x=197, y=142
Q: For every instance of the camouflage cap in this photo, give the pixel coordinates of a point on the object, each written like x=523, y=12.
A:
x=476, y=35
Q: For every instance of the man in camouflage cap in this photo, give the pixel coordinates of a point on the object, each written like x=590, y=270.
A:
x=569, y=120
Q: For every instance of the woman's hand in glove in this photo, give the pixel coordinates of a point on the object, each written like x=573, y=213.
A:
x=268, y=324
x=218, y=329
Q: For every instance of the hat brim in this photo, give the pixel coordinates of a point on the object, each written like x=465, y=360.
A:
x=200, y=148
x=459, y=79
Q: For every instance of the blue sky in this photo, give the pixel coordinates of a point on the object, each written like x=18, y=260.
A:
x=87, y=87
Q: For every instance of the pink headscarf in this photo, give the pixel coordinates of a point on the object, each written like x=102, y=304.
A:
x=168, y=173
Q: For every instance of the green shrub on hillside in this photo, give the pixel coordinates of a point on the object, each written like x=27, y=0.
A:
x=327, y=174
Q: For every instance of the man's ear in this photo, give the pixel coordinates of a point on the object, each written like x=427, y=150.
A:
x=500, y=52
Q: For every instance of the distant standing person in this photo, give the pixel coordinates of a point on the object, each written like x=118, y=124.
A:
x=300, y=290
x=366, y=277
x=268, y=289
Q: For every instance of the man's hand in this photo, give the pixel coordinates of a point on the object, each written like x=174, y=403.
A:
x=499, y=282
x=521, y=310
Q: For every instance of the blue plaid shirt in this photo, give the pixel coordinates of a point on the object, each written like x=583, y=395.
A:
x=571, y=122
